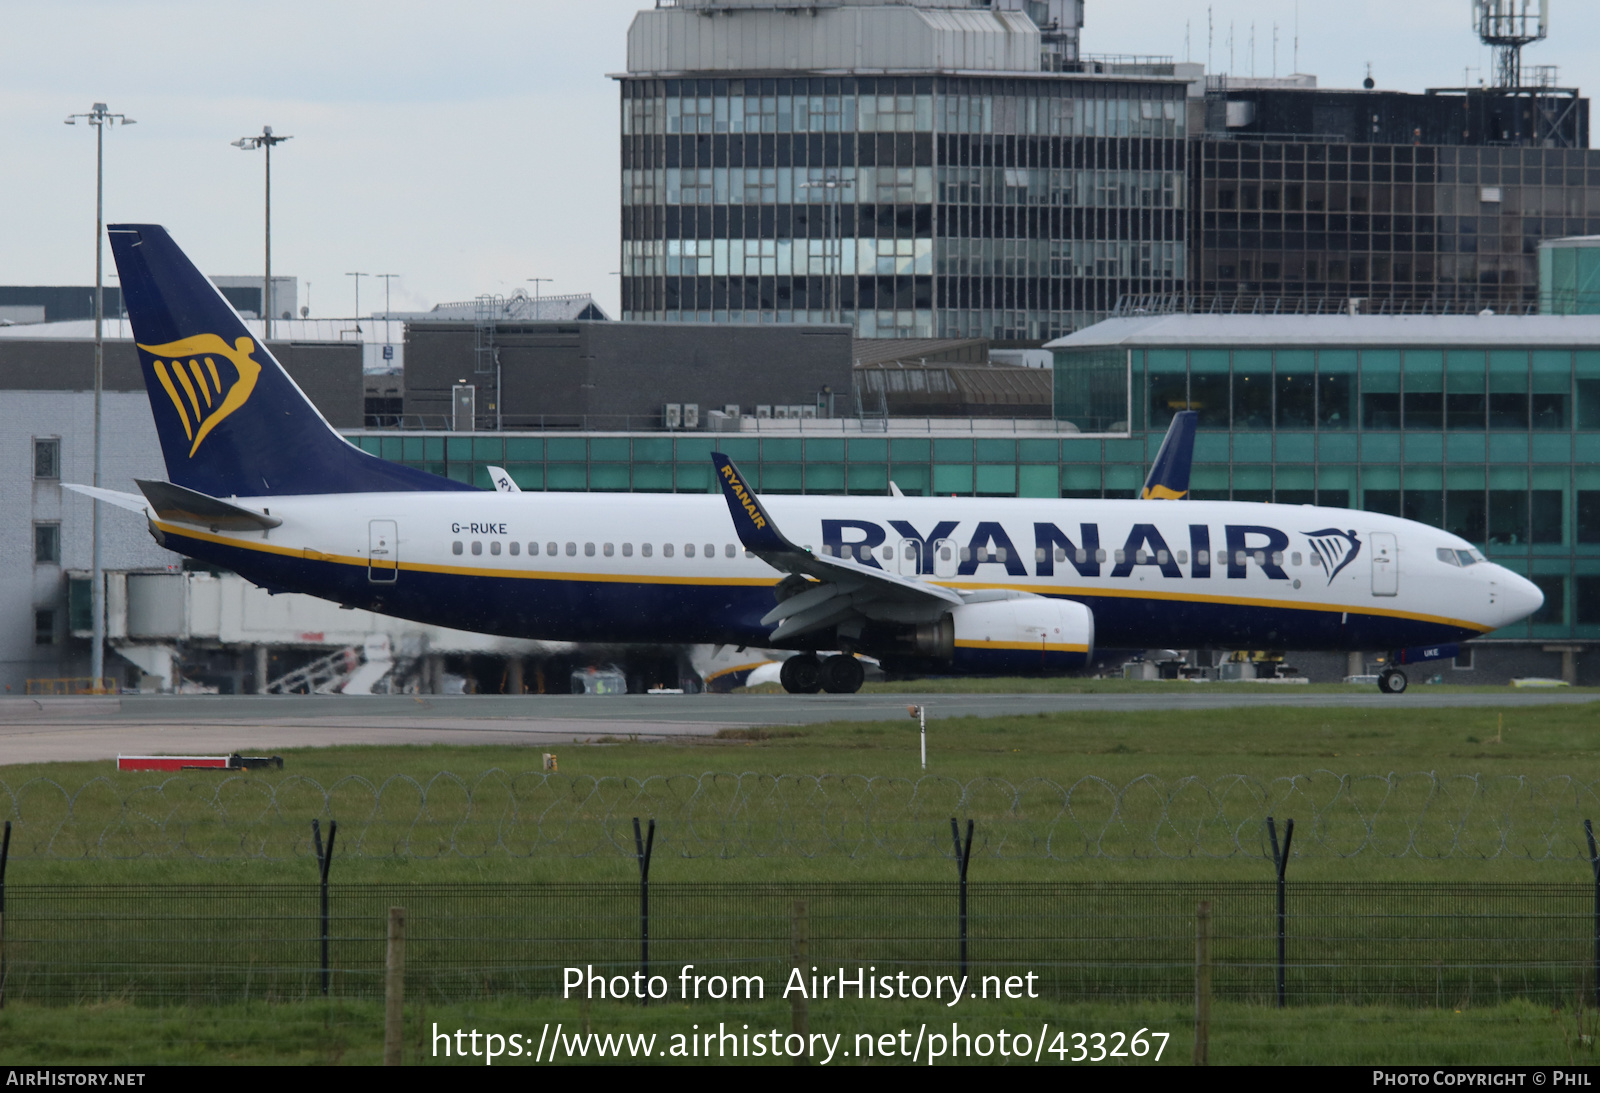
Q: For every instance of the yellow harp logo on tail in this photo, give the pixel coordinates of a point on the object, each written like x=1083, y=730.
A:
x=201, y=392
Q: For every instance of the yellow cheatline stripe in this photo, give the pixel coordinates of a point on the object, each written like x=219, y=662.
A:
x=740, y=668
x=309, y=554
x=1232, y=601
x=177, y=400
x=763, y=582
x=1026, y=646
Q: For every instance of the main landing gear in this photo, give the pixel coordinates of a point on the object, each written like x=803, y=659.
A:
x=1392, y=681
x=805, y=674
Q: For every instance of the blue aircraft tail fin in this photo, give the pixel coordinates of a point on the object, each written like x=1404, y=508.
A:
x=1169, y=475
x=231, y=421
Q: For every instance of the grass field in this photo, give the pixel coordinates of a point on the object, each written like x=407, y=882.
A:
x=352, y=1033
x=1463, y=779
x=1467, y=795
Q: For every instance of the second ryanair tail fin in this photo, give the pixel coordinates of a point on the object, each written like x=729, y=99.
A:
x=231, y=421
x=1169, y=475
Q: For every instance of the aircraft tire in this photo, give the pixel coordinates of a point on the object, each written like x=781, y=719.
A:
x=801, y=675
x=1392, y=681
x=842, y=675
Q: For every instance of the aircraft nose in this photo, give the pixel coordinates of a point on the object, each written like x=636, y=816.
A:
x=1518, y=596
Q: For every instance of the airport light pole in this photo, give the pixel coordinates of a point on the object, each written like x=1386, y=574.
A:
x=358, y=277
x=266, y=140
x=388, y=338
x=101, y=118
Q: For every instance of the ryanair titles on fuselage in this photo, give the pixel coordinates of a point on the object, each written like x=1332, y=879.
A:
x=1083, y=549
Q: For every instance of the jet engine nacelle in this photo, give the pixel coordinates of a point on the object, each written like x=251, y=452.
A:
x=1008, y=637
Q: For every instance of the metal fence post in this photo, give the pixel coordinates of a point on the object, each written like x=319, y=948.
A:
x=1202, y=983
x=324, y=860
x=5, y=855
x=1594, y=864
x=963, y=856
x=394, y=988
x=799, y=1010
x=644, y=846
x=1280, y=860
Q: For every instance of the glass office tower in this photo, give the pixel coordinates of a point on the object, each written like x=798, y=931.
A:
x=937, y=169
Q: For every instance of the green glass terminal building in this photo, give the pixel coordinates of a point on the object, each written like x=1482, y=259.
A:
x=1487, y=426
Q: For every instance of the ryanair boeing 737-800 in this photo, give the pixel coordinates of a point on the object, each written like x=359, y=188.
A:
x=261, y=484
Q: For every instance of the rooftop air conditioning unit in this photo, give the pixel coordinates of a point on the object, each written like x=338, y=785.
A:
x=672, y=415
x=763, y=412
x=691, y=415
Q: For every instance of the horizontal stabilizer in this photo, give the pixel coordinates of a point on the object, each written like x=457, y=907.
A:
x=185, y=506
x=130, y=501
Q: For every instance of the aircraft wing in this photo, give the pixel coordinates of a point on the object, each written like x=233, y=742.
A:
x=836, y=588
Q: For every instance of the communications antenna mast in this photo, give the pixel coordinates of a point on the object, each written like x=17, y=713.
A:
x=1508, y=25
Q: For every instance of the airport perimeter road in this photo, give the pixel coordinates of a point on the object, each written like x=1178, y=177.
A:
x=57, y=729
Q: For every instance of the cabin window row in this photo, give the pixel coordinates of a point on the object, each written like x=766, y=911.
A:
x=608, y=550
x=1080, y=556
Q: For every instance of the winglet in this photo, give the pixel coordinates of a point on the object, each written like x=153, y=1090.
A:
x=503, y=482
x=755, y=528
x=1169, y=475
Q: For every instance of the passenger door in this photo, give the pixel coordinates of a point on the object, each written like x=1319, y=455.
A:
x=383, y=551
x=908, y=555
x=1385, y=564
x=945, y=558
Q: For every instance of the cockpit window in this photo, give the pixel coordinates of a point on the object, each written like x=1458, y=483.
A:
x=1448, y=556
x=1471, y=557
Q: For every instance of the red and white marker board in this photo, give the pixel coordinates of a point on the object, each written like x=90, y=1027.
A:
x=172, y=762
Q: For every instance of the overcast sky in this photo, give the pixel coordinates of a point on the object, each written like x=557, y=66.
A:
x=469, y=147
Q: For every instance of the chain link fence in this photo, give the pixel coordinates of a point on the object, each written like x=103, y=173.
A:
x=1424, y=944
x=715, y=815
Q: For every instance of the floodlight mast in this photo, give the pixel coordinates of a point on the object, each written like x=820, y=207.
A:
x=249, y=144
x=101, y=118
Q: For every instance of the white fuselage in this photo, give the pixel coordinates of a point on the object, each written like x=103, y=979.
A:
x=668, y=567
